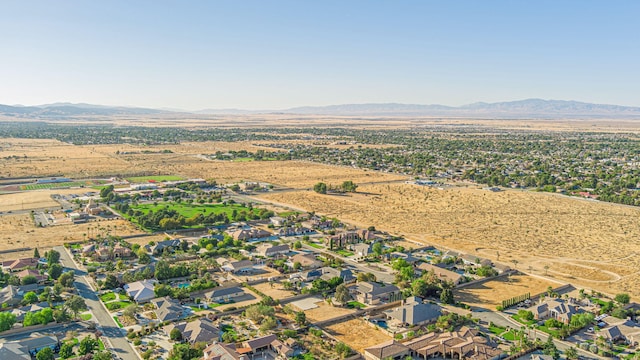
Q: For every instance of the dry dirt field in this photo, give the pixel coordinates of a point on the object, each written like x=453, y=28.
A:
x=35, y=199
x=489, y=294
x=277, y=292
x=325, y=311
x=591, y=244
x=18, y=230
x=357, y=334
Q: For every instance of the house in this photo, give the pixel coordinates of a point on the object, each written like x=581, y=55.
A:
x=140, y=291
x=278, y=221
x=329, y=273
x=465, y=343
x=92, y=208
x=19, y=264
x=387, y=350
x=407, y=257
x=308, y=275
x=242, y=266
x=199, y=330
x=293, y=231
x=308, y=261
x=372, y=293
x=161, y=246
x=558, y=309
x=414, y=312
x=621, y=330
x=468, y=259
x=31, y=272
x=317, y=223
x=267, y=250
x=10, y=295
x=362, y=249
x=366, y=235
x=20, y=312
x=224, y=294
x=441, y=273
x=88, y=250
x=250, y=349
x=168, y=309
x=343, y=239
x=249, y=234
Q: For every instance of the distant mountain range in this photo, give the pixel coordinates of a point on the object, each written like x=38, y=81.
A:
x=529, y=108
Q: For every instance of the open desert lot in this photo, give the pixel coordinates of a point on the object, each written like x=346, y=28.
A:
x=357, y=334
x=18, y=231
x=36, y=199
x=490, y=293
x=325, y=311
x=534, y=229
x=277, y=291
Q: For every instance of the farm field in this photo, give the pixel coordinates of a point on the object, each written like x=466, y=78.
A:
x=490, y=294
x=534, y=229
x=357, y=334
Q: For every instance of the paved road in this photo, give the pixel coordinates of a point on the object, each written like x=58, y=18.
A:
x=121, y=347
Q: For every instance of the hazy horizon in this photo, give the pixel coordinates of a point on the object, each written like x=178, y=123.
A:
x=255, y=55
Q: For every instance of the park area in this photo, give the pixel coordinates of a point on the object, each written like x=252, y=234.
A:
x=489, y=294
x=189, y=210
x=357, y=334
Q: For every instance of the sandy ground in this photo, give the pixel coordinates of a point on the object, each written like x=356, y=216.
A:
x=489, y=294
x=18, y=230
x=325, y=311
x=34, y=199
x=588, y=243
x=357, y=334
x=277, y=292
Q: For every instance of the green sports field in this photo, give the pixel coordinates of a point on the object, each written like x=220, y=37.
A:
x=158, y=178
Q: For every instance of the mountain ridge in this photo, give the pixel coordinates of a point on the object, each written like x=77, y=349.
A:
x=526, y=108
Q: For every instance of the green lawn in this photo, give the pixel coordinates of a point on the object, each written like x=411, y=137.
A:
x=117, y=322
x=243, y=159
x=314, y=245
x=288, y=213
x=85, y=317
x=101, y=344
x=196, y=309
x=123, y=297
x=344, y=253
x=355, y=304
x=188, y=210
x=159, y=178
x=115, y=305
x=107, y=296
x=517, y=318
x=497, y=330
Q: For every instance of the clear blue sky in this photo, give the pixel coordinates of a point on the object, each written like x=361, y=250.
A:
x=278, y=54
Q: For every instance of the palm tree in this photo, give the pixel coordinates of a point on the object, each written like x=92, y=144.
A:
x=546, y=270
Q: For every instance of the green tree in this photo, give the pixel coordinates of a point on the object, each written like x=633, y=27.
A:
x=53, y=257
x=29, y=279
x=130, y=311
x=342, y=350
x=349, y=186
x=301, y=318
x=143, y=257
x=622, y=298
x=76, y=304
x=175, y=334
x=110, y=282
x=297, y=245
x=66, y=279
x=66, y=350
x=7, y=320
x=163, y=270
x=36, y=253
x=342, y=294
x=30, y=298
x=87, y=345
x=102, y=355
x=446, y=296
x=377, y=248
x=45, y=354
x=55, y=270
x=419, y=288
x=571, y=353
x=320, y=188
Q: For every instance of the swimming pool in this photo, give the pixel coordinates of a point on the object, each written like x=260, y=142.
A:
x=183, y=285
